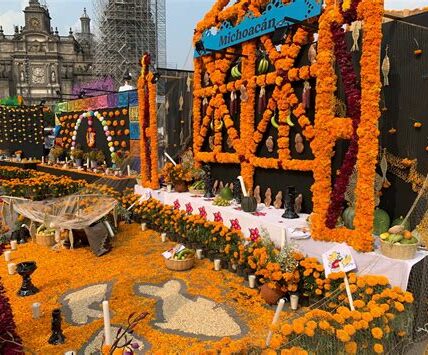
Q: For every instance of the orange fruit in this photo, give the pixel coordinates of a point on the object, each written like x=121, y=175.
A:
x=407, y=235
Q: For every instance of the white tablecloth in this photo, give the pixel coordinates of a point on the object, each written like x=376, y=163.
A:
x=397, y=271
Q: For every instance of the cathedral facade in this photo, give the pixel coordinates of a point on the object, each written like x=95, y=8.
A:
x=39, y=64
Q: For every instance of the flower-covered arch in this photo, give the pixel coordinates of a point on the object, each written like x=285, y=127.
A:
x=220, y=82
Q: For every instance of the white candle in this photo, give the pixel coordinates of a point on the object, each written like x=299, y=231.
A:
x=87, y=163
x=128, y=168
x=57, y=160
x=217, y=264
x=283, y=238
x=13, y=244
x=66, y=160
x=163, y=237
x=43, y=159
x=143, y=226
x=199, y=254
x=170, y=159
x=168, y=188
x=275, y=319
x=107, y=325
x=252, y=281
x=348, y=289
x=36, y=310
x=243, y=188
x=11, y=268
x=7, y=255
x=294, y=302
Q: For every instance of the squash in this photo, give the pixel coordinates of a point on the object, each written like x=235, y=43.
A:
x=249, y=204
x=381, y=222
x=348, y=217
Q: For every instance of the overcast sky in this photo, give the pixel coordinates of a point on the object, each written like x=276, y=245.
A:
x=182, y=16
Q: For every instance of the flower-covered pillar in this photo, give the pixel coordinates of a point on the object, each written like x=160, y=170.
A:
x=361, y=128
x=147, y=115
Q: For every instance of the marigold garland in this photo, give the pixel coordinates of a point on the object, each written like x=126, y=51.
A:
x=147, y=113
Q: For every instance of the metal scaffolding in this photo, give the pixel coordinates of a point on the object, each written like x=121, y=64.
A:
x=125, y=30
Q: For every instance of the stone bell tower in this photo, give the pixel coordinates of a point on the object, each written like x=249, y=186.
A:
x=37, y=18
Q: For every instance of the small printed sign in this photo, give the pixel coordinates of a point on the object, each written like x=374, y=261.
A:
x=340, y=254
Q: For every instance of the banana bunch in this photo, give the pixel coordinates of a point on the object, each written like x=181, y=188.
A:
x=263, y=66
x=218, y=128
x=43, y=230
x=219, y=201
x=275, y=124
x=184, y=254
x=236, y=74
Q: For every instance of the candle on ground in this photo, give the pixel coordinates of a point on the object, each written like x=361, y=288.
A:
x=43, y=159
x=11, y=268
x=217, y=264
x=199, y=254
x=87, y=163
x=13, y=244
x=107, y=325
x=163, y=237
x=294, y=302
x=7, y=255
x=36, y=310
x=143, y=226
x=128, y=168
x=252, y=281
x=275, y=319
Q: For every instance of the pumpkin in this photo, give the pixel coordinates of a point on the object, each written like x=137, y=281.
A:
x=111, y=114
x=122, y=122
x=123, y=144
x=124, y=111
x=126, y=131
x=114, y=123
x=381, y=222
x=249, y=204
x=399, y=221
x=348, y=217
x=104, y=114
x=117, y=113
x=116, y=143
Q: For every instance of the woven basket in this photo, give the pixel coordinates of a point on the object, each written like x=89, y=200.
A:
x=196, y=192
x=45, y=240
x=398, y=251
x=180, y=265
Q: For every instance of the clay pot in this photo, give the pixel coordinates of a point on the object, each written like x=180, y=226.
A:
x=270, y=295
x=180, y=186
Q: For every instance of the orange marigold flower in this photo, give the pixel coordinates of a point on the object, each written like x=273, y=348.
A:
x=324, y=325
x=351, y=347
x=378, y=348
x=399, y=306
x=342, y=335
x=377, y=333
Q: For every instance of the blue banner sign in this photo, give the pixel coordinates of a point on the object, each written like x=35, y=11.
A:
x=276, y=15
